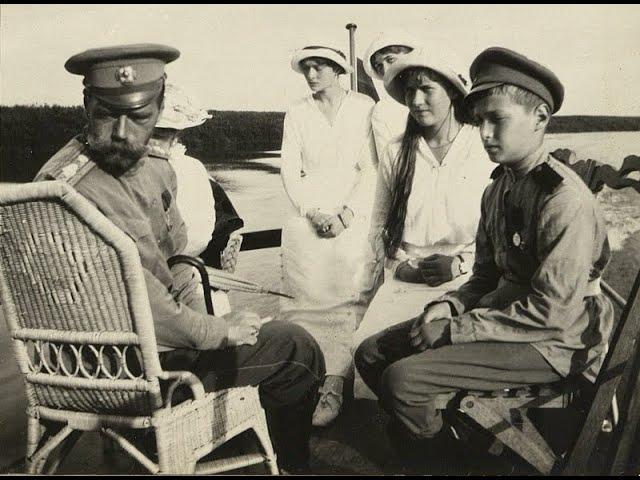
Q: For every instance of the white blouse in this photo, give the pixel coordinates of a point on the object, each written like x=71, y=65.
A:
x=329, y=165
x=444, y=205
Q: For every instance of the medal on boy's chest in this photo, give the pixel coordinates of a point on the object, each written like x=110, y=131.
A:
x=516, y=239
x=515, y=225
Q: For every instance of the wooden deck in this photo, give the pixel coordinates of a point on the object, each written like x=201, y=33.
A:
x=355, y=445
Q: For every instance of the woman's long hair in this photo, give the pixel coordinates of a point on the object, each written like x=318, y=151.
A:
x=405, y=165
x=401, y=188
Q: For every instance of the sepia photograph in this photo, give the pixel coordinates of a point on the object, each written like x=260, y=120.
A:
x=325, y=239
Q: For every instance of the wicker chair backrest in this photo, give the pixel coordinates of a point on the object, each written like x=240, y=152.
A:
x=74, y=296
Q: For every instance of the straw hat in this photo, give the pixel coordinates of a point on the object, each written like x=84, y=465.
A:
x=419, y=58
x=332, y=54
x=180, y=110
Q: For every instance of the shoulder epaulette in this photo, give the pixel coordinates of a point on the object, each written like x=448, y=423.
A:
x=499, y=170
x=547, y=177
x=69, y=164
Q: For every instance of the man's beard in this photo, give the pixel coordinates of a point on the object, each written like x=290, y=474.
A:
x=115, y=156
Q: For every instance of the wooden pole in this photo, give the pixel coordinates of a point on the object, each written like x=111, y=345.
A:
x=352, y=55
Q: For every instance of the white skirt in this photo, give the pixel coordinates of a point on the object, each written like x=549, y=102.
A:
x=325, y=275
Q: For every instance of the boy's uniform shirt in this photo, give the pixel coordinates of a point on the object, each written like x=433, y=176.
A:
x=541, y=247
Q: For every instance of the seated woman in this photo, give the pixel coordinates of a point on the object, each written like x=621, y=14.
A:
x=206, y=210
x=427, y=202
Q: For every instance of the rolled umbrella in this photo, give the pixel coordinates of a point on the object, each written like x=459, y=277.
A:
x=227, y=281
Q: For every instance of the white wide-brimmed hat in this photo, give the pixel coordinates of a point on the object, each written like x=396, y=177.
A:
x=420, y=58
x=386, y=39
x=322, y=52
x=180, y=110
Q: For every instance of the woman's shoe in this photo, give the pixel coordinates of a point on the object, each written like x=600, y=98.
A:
x=330, y=402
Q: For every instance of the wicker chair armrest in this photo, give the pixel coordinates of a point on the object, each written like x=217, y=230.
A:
x=198, y=264
x=178, y=378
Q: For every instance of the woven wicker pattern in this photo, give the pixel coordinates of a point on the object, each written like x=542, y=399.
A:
x=203, y=425
x=58, y=266
x=58, y=271
x=74, y=296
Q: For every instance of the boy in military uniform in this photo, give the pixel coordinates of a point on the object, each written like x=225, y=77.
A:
x=123, y=97
x=532, y=312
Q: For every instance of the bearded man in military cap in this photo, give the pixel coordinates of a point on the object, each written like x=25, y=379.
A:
x=108, y=164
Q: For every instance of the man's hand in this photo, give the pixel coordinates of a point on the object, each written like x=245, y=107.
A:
x=433, y=334
x=243, y=328
x=438, y=269
x=229, y=256
x=435, y=311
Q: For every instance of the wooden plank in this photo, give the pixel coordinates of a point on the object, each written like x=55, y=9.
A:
x=496, y=419
x=626, y=438
x=622, y=346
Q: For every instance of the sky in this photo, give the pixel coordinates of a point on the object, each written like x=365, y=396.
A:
x=237, y=57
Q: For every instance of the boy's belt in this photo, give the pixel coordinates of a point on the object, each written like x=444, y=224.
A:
x=514, y=289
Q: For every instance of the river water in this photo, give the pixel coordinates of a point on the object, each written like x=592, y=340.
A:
x=260, y=199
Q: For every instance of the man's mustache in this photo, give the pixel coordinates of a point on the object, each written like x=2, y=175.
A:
x=132, y=150
x=116, y=156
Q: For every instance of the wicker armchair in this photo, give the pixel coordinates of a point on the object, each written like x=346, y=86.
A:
x=74, y=295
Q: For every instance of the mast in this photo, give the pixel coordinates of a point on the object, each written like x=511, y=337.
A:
x=352, y=55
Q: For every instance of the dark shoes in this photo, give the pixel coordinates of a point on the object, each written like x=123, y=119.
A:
x=414, y=451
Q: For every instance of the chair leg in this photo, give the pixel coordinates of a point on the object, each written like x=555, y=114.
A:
x=37, y=461
x=34, y=434
x=130, y=449
x=496, y=418
x=64, y=451
x=262, y=432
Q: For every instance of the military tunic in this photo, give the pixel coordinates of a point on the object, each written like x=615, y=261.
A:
x=531, y=312
x=541, y=247
x=141, y=202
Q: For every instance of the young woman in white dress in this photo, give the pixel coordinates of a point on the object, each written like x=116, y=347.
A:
x=427, y=200
x=328, y=172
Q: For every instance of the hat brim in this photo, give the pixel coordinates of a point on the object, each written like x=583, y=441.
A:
x=301, y=55
x=476, y=89
x=180, y=125
x=394, y=86
x=482, y=88
x=128, y=100
x=384, y=41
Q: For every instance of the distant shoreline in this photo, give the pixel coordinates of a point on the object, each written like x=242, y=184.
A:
x=593, y=123
x=29, y=135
